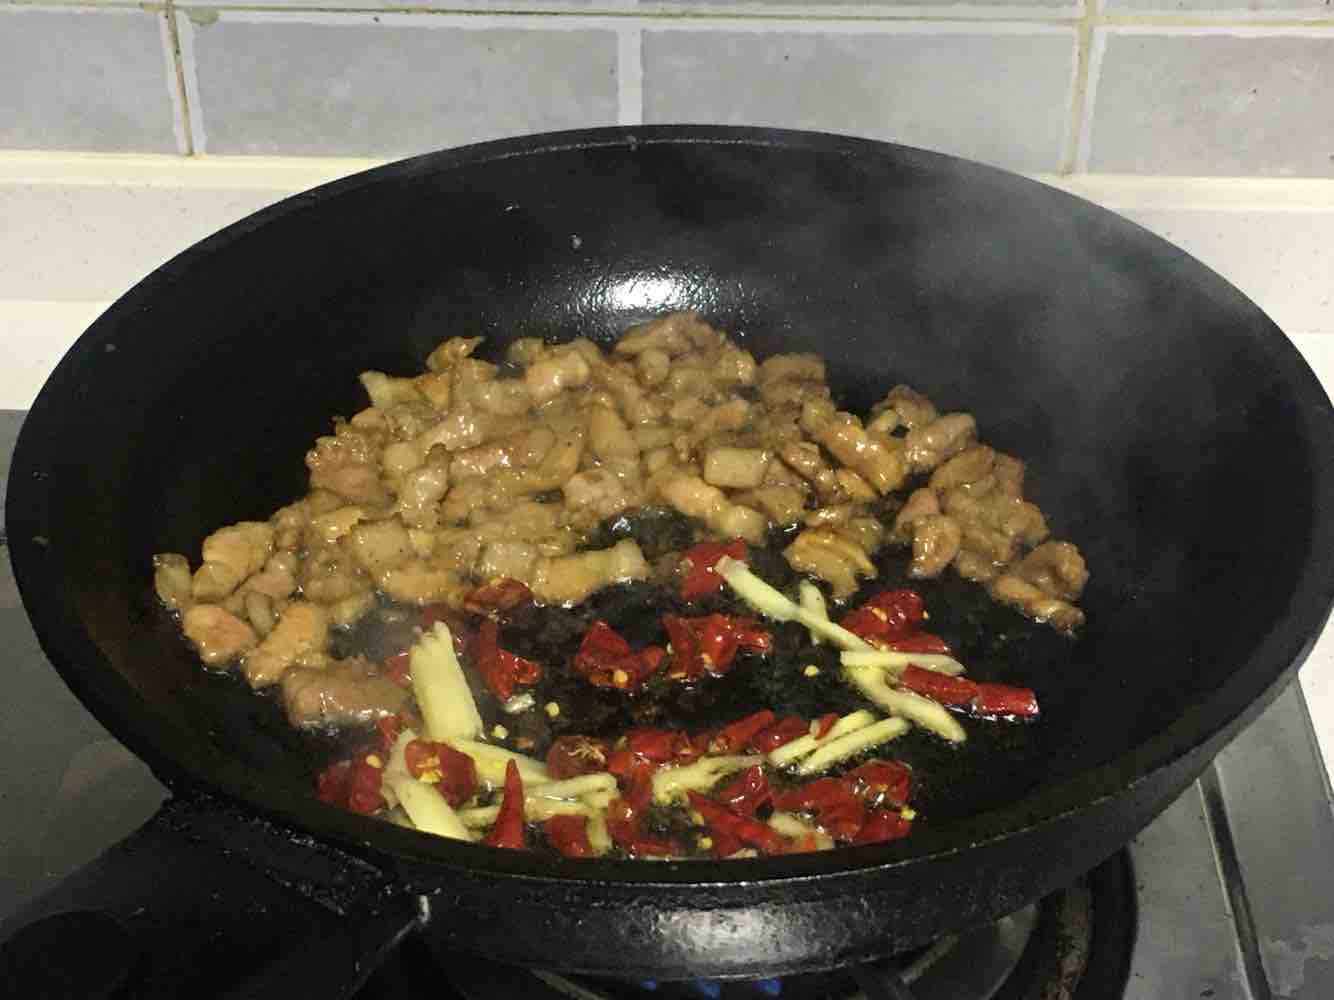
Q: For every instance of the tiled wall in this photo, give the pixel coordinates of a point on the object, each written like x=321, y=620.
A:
x=1194, y=87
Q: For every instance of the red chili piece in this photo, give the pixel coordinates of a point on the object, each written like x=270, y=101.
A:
x=353, y=784
x=503, y=594
x=699, y=579
x=882, y=825
x=331, y=784
x=835, y=807
x=791, y=728
x=954, y=691
x=571, y=756
x=625, y=825
x=1003, y=699
x=709, y=644
x=979, y=699
x=500, y=668
x=508, y=831
x=735, y=735
x=747, y=792
x=720, y=819
x=662, y=745
x=606, y=660
x=389, y=728
x=569, y=835
x=890, y=618
x=396, y=668
x=881, y=782
x=823, y=724
x=453, y=774
x=634, y=774
x=919, y=642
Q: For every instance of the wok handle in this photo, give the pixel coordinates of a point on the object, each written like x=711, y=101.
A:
x=208, y=901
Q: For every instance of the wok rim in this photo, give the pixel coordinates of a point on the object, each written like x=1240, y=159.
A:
x=1254, y=682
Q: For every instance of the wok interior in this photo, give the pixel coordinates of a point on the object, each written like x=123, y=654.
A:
x=1147, y=396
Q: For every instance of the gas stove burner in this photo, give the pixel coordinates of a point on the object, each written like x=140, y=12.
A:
x=1073, y=945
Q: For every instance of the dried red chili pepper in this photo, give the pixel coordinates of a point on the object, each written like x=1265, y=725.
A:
x=571, y=756
x=880, y=782
x=698, y=576
x=722, y=821
x=500, y=668
x=905, y=610
x=960, y=692
x=736, y=735
x=834, y=805
x=453, y=774
x=953, y=691
x=784, y=731
x=1003, y=699
x=569, y=835
x=708, y=644
x=388, y=729
x=888, y=615
x=396, y=668
x=634, y=774
x=918, y=642
x=502, y=594
x=883, y=825
x=625, y=825
x=508, y=831
x=606, y=660
x=747, y=792
x=331, y=784
x=662, y=745
x=364, y=779
x=823, y=724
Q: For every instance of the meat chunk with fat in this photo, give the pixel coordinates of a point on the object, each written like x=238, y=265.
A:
x=833, y=558
x=230, y=555
x=347, y=691
x=569, y=579
x=302, y=629
x=219, y=636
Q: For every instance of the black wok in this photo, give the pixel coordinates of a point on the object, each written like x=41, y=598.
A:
x=1171, y=430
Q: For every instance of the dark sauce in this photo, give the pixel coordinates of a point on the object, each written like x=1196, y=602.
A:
x=1000, y=761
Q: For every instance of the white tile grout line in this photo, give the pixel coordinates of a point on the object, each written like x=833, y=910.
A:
x=584, y=22
x=629, y=76
x=1098, y=50
x=180, y=120
x=185, y=35
x=1065, y=156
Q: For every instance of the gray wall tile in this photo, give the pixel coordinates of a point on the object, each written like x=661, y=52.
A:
x=998, y=97
x=84, y=79
x=1213, y=103
x=348, y=85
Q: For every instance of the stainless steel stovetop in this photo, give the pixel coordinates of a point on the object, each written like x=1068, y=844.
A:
x=1234, y=882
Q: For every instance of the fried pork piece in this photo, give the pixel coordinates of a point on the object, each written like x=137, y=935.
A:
x=831, y=557
x=1036, y=603
x=928, y=445
x=570, y=579
x=1056, y=568
x=219, y=636
x=303, y=629
x=902, y=407
x=693, y=497
x=346, y=691
x=880, y=461
x=230, y=555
